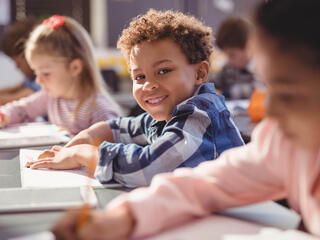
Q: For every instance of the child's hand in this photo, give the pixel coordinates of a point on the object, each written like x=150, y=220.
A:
x=104, y=225
x=65, y=157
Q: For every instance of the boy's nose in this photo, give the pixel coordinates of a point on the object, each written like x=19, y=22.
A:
x=150, y=85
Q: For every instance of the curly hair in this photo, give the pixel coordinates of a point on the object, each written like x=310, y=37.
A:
x=193, y=37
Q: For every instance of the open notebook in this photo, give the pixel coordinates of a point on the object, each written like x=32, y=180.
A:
x=51, y=178
x=31, y=134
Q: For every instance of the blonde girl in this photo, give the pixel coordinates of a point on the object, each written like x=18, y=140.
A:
x=73, y=96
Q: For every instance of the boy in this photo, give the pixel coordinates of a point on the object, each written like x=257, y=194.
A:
x=13, y=47
x=235, y=81
x=185, y=122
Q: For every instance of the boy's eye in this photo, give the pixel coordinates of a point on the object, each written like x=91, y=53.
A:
x=164, y=71
x=139, y=77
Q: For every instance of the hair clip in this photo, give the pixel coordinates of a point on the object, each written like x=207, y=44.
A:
x=54, y=21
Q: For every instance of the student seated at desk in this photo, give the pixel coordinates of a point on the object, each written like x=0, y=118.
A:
x=283, y=158
x=12, y=45
x=185, y=122
x=60, y=52
x=235, y=80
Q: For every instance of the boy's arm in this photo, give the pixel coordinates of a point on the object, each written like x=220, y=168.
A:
x=94, y=135
x=15, y=95
x=186, y=140
x=240, y=176
x=10, y=90
x=122, y=129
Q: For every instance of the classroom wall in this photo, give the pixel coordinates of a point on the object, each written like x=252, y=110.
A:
x=10, y=75
x=119, y=13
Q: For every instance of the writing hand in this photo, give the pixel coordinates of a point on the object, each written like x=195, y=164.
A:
x=103, y=225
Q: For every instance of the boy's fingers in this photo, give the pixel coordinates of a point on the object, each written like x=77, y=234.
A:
x=45, y=163
x=46, y=154
x=56, y=148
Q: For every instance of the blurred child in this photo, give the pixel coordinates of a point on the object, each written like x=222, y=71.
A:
x=185, y=122
x=60, y=53
x=13, y=46
x=283, y=158
x=235, y=80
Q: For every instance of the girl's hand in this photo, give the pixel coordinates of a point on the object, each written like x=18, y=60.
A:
x=4, y=120
x=66, y=157
x=103, y=225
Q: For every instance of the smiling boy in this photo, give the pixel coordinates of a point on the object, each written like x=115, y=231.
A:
x=185, y=122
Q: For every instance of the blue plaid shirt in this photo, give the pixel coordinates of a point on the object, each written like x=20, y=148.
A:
x=200, y=129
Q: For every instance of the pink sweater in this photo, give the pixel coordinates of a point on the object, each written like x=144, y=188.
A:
x=59, y=111
x=270, y=167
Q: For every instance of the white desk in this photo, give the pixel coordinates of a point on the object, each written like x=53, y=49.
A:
x=253, y=222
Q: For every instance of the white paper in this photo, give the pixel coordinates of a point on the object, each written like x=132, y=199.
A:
x=268, y=234
x=51, y=178
x=36, y=236
x=31, y=134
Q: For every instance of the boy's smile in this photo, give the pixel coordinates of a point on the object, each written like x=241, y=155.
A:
x=162, y=77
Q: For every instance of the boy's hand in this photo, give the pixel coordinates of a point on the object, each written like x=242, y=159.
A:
x=66, y=157
x=103, y=225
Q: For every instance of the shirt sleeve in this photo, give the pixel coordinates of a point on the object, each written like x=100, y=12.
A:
x=240, y=176
x=134, y=164
x=26, y=109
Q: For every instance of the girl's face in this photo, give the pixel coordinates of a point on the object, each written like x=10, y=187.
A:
x=294, y=89
x=55, y=76
x=162, y=77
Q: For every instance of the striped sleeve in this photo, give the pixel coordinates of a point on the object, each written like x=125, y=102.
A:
x=26, y=109
x=131, y=129
x=134, y=165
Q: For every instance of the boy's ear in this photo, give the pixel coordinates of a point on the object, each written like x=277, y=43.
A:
x=202, y=72
x=75, y=67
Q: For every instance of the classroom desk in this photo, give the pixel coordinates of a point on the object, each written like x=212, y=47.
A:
x=25, y=223
x=17, y=224
x=238, y=110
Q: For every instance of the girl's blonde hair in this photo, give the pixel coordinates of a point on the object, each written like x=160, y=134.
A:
x=66, y=39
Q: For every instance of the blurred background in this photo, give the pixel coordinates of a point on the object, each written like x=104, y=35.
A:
x=104, y=20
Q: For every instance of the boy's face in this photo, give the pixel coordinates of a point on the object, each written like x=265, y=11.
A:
x=237, y=57
x=162, y=77
x=294, y=89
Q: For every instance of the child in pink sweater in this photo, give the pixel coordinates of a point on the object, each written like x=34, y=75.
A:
x=60, y=53
x=283, y=159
